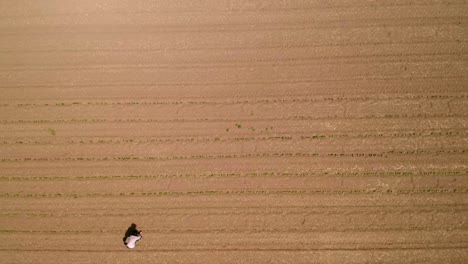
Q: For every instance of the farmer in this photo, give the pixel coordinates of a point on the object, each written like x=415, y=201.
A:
x=132, y=236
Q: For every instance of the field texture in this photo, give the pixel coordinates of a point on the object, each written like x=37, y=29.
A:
x=250, y=131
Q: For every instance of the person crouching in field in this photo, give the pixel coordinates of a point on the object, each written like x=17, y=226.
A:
x=132, y=236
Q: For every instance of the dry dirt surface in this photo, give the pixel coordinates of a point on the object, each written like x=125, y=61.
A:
x=250, y=131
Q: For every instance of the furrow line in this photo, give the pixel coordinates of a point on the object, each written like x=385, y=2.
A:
x=237, y=47
x=270, y=211
x=139, y=120
x=328, y=174
x=458, y=56
x=233, y=231
x=150, y=140
x=384, y=154
x=281, y=81
x=462, y=191
x=299, y=99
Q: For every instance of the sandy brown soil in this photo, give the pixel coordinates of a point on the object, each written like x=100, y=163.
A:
x=324, y=131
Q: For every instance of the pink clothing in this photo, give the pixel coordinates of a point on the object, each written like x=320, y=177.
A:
x=132, y=241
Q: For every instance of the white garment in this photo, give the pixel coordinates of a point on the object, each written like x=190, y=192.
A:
x=132, y=240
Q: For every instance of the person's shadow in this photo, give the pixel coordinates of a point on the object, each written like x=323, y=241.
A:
x=131, y=231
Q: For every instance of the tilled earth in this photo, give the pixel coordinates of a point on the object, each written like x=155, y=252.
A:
x=234, y=131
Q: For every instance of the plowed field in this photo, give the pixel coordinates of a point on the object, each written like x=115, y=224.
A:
x=251, y=131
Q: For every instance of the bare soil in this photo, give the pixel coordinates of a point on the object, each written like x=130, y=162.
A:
x=234, y=131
